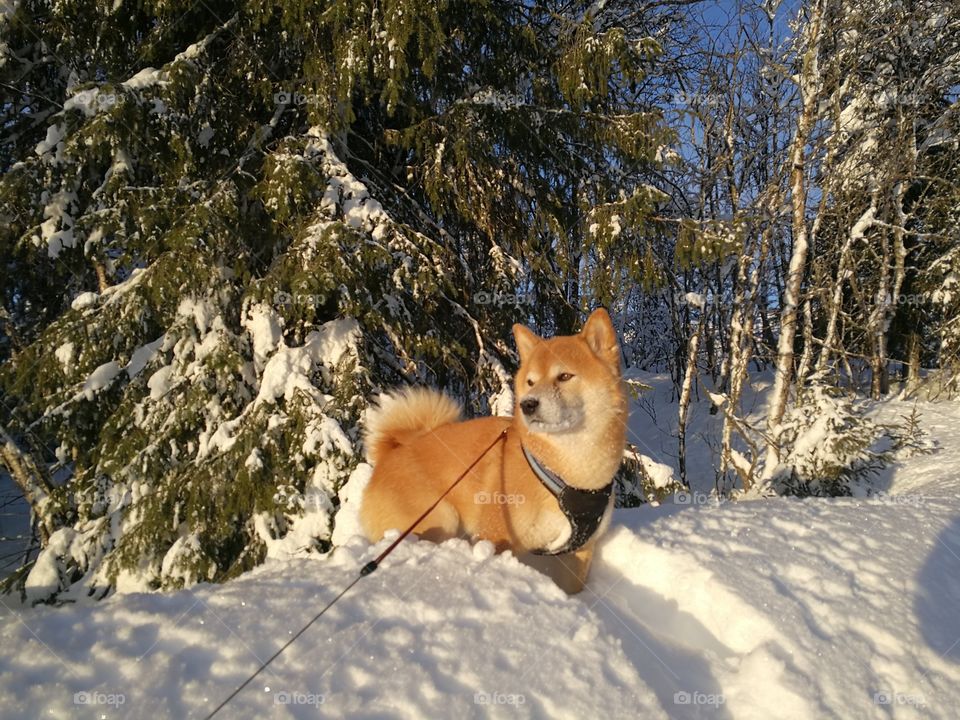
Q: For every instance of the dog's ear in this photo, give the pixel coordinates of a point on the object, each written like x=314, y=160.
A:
x=600, y=336
x=526, y=339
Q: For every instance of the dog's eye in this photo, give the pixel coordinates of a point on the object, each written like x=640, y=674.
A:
x=563, y=377
x=529, y=382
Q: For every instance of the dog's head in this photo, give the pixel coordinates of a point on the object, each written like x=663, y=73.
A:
x=568, y=383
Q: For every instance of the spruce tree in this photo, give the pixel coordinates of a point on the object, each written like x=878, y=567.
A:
x=227, y=226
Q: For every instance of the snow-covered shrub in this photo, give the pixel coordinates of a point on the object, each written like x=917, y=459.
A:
x=641, y=479
x=832, y=447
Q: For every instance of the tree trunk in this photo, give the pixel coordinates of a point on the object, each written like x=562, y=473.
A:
x=913, y=362
x=836, y=299
x=685, y=392
x=102, y=282
x=810, y=93
x=32, y=481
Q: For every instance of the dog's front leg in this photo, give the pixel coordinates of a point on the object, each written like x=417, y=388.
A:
x=576, y=568
x=568, y=571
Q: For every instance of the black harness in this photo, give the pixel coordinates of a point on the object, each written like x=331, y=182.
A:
x=583, y=509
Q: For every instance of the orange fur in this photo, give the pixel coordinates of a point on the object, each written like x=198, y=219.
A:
x=404, y=415
x=577, y=430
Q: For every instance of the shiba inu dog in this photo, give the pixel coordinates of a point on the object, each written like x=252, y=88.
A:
x=544, y=491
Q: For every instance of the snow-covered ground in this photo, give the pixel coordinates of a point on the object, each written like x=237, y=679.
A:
x=777, y=608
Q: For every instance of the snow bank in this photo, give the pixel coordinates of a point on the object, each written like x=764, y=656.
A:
x=775, y=608
x=449, y=632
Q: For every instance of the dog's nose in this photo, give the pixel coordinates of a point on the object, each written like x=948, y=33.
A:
x=529, y=405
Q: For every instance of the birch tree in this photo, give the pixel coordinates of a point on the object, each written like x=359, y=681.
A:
x=809, y=85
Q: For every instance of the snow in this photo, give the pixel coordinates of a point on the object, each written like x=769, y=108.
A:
x=44, y=577
x=347, y=521
x=122, y=165
x=182, y=549
x=219, y=440
x=66, y=353
x=202, y=312
x=192, y=52
x=147, y=77
x=159, y=383
x=86, y=101
x=264, y=326
x=114, y=293
x=324, y=439
x=288, y=374
x=771, y=608
x=659, y=473
x=143, y=355
x=288, y=371
x=53, y=140
x=345, y=192
x=100, y=378
x=615, y=227
x=324, y=435
x=85, y=300
x=93, y=239
x=254, y=461
x=863, y=224
x=56, y=215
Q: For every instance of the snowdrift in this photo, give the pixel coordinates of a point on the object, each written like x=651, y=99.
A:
x=774, y=608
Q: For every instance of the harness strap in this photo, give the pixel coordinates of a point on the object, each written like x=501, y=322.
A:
x=583, y=509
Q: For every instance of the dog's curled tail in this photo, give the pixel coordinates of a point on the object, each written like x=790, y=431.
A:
x=404, y=415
